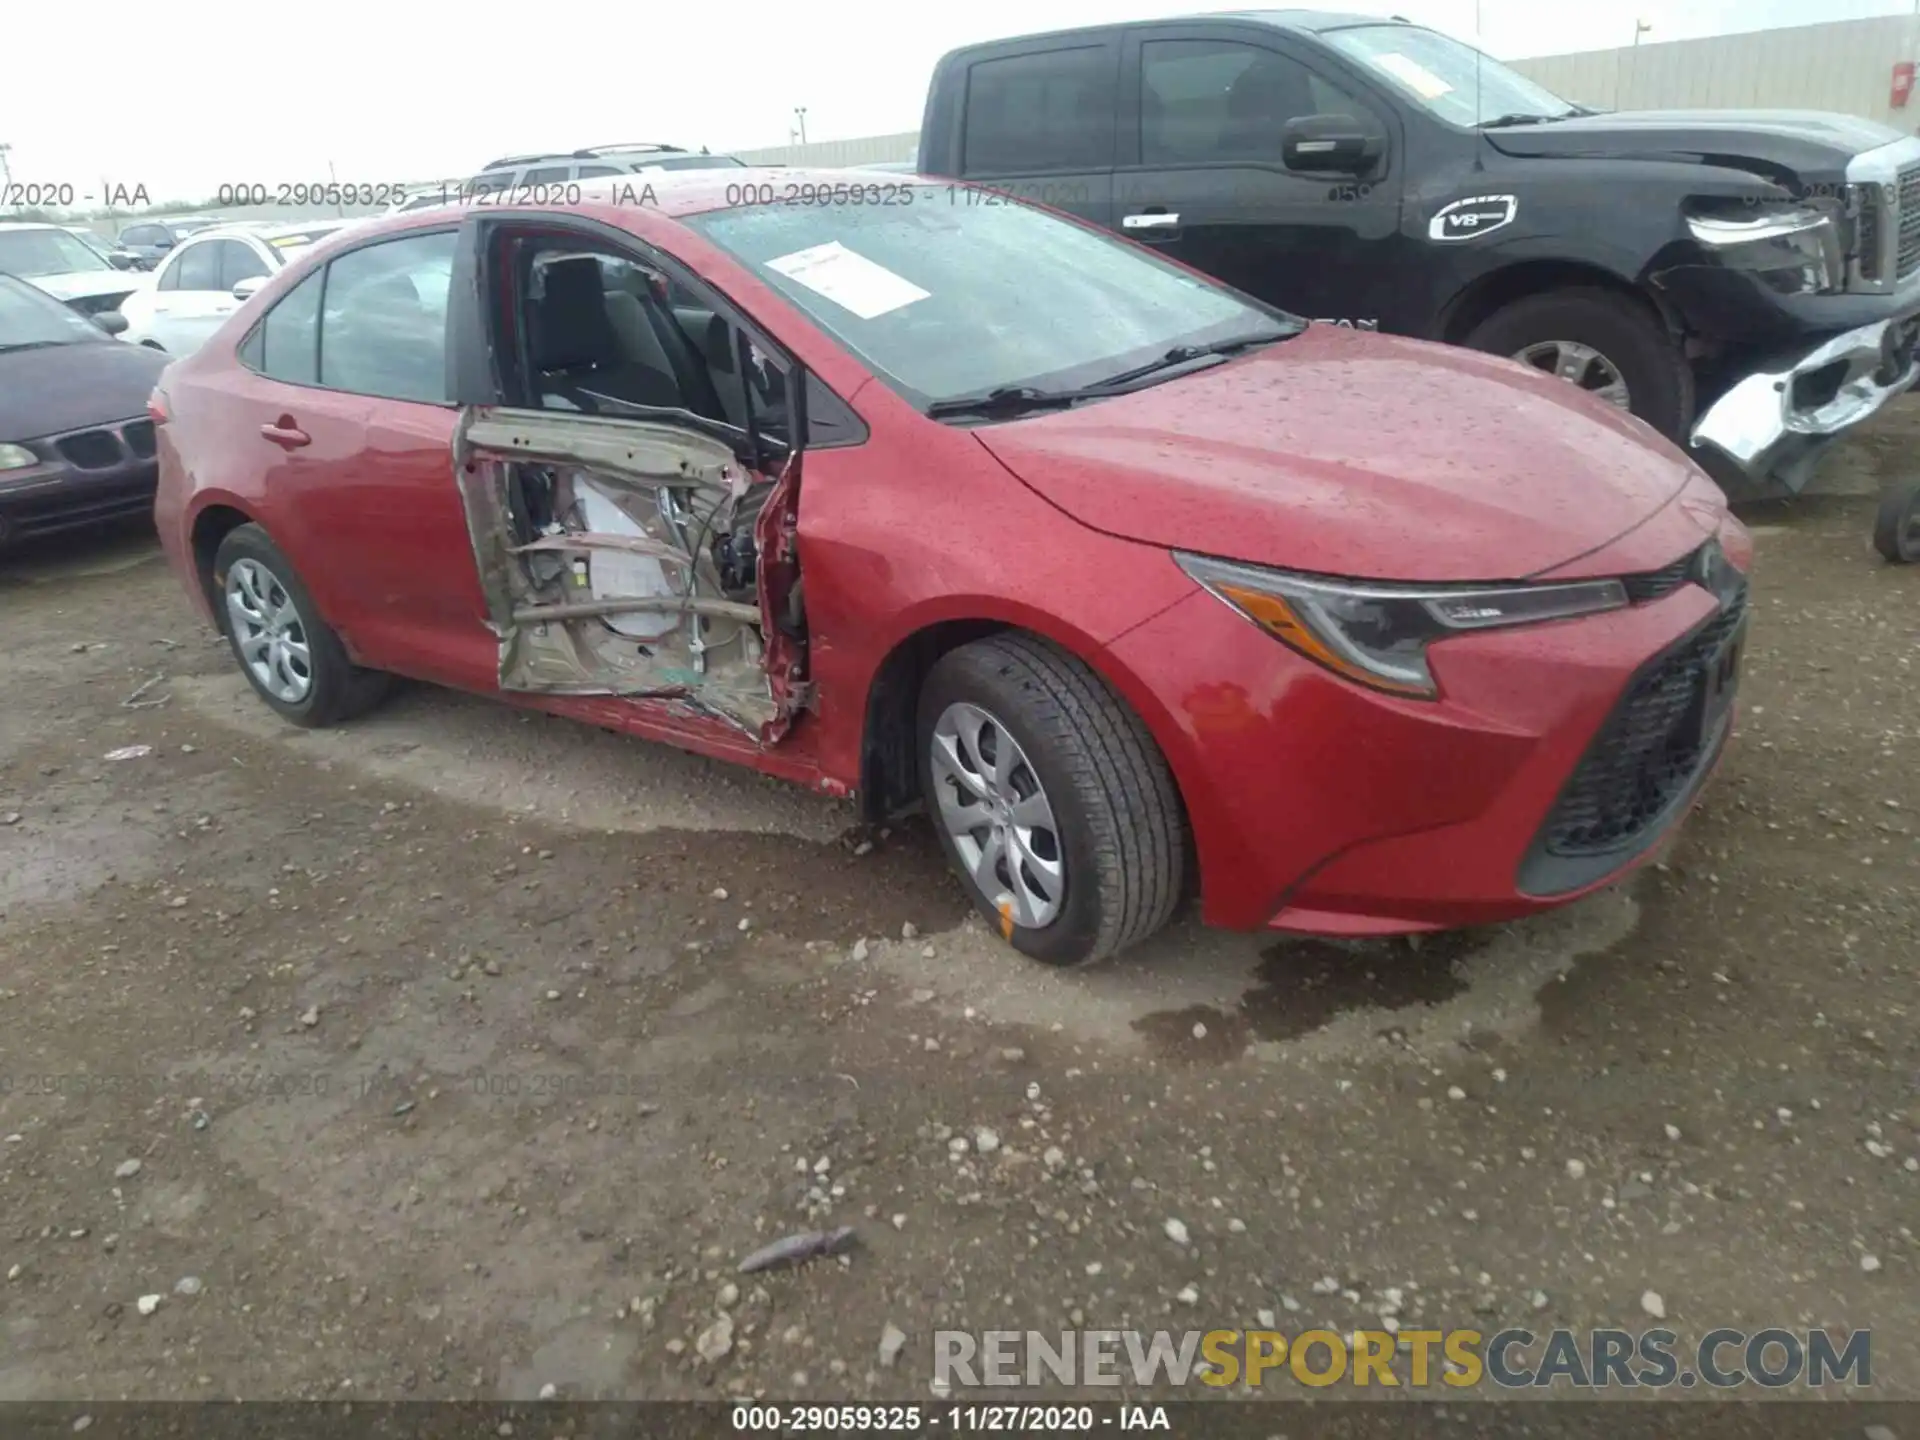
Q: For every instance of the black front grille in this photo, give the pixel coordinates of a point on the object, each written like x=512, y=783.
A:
x=1908, y=254
x=91, y=449
x=1657, y=584
x=1647, y=753
x=1866, y=230
x=139, y=437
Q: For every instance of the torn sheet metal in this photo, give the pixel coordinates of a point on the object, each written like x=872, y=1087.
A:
x=619, y=557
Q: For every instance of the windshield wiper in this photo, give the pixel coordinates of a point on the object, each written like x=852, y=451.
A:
x=1012, y=400
x=1183, y=354
x=28, y=345
x=1022, y=399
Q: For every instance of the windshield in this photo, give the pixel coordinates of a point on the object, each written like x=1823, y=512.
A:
x=93, y=243
x=32, y=317
x=949, y=292
x=1454, y=81
x=46, y=252
x=293, y=240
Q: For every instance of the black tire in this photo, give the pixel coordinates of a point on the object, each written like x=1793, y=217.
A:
x=1896, y=530
x=1623, y=329
x=338, y=689
x=1121, y=830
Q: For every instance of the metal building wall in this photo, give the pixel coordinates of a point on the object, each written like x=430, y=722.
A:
x=1843, y=65
x=868, y=150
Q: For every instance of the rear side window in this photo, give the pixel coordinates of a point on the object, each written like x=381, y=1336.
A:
x=1217, y=100
x=198, y=267
x=1047, y=111
x=383, y=330
x=285, y=345
x=588, y=172
x=546, y=175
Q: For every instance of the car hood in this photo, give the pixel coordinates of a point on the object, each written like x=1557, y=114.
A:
x=1354, y=454
x=1799, y=140
x=88, y=284
x=57, y=388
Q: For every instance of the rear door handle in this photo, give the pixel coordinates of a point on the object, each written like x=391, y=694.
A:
x=287, y=435
x=1150, y=220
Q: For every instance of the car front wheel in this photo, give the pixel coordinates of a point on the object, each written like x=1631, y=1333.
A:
x=1050, y=799
x=290, y=656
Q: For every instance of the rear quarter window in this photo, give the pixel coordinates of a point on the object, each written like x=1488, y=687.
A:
x=1050, y=110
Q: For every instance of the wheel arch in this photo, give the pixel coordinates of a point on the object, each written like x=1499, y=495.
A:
x=1484, y=296
x=889, y=782
x=212, y=523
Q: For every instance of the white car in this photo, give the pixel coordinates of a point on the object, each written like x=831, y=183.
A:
x=64, y=266
x=206, y=277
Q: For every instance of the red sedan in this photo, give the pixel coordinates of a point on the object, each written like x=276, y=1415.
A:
x=900, y=490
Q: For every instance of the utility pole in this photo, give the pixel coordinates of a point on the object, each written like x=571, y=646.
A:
x=6, y=171
x=1640, y=27
x=800, y=115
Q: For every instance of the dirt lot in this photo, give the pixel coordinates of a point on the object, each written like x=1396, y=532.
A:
x=464, y=1052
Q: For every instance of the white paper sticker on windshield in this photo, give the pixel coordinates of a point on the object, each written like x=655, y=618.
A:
x=1422, y=81
x=849, y=280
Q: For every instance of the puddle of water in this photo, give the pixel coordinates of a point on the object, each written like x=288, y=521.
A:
x=1304, y=985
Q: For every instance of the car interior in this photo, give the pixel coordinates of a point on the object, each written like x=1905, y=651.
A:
x=606, y=336
x=631, y=568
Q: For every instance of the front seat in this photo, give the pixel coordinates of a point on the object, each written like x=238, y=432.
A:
x=577, y=352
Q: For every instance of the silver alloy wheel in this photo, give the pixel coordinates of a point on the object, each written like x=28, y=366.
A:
x=998, y=816
x=1583, y=365
x=268, y=632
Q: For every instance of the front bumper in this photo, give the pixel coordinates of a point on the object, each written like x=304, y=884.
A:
x=1770, y=429
x=1320, y=807
x=85, y=477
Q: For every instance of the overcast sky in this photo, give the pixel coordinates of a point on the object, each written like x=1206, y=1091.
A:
x=220, y=91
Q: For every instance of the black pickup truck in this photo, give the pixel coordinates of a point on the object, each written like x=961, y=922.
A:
x=1745, y=281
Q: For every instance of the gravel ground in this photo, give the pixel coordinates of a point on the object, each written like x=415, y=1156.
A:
x=464, y=1052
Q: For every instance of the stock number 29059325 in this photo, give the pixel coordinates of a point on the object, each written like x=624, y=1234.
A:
x=317, y=192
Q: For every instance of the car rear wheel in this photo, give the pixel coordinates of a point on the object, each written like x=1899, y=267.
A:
x=1050, y=799
x=1896, y=531
x=287, y=652
x=1608, y=344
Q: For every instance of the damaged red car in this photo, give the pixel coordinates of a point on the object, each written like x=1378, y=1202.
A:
x=1144, y=590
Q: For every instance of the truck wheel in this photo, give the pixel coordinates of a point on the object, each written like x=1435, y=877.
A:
x=289, y=655
x=1896, y=532
x=1608, y=344
x=1051, y=800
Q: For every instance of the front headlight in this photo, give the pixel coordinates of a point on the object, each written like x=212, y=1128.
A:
x=1797, y=251
x=17, y=457
x=1378, y=634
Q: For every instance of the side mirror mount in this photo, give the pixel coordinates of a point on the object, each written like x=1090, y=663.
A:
x=1329, y=145
x=247, y=288
x=111, y=321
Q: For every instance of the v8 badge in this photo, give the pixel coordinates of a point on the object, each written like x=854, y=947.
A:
x=1471, y=218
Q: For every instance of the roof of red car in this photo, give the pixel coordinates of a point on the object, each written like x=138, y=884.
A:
x=674, y=194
